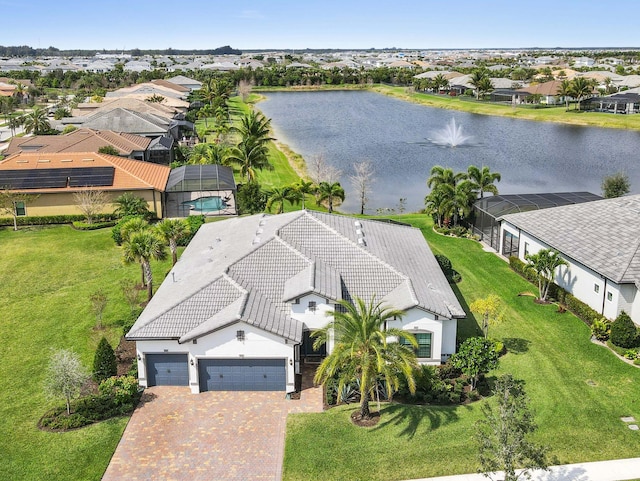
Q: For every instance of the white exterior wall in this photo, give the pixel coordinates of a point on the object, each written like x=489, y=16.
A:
x=416, y=320
x=314, y=320
x=222, y=344
x=581, y=281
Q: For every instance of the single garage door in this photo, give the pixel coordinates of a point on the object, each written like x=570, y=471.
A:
x=167, y=370
x=242, y=374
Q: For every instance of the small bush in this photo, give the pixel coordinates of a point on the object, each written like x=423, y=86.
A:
x=631, y=354
x=601, y=329
x=104, y=361
x=624, y=332
x=116, y=232
x=193, y=223
x=79, y=225
x=445, y=264
x=123, y=390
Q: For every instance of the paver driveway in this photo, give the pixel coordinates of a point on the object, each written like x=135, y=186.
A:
x=221, y=436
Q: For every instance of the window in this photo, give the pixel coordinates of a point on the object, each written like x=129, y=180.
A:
x=240, y=335
x=609, y=296
x=424, y=344
x=312, y=306
x=596, y=288
x=21, y=209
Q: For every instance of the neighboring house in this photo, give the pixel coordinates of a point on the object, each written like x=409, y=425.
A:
x=187, y=82
x=600, y=241
x=236, y=311
x=627, y=102
x=129, y=103
x=548, y=92
x=57, y=176
x=83, y=140
x=124, y=120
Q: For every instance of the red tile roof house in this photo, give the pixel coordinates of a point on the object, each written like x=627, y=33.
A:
x=236, y=311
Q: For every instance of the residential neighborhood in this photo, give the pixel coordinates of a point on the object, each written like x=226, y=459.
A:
x=303, y=242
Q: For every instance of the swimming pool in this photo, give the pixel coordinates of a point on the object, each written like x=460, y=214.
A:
x=206, y=204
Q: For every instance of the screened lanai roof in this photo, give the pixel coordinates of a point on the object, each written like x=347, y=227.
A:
x=193, y=178
x=499, y=205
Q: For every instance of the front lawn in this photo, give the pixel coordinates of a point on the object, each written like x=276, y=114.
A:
x=578, y=391
x=47, y=277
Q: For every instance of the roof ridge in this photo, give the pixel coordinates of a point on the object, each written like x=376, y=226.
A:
x=355, y=244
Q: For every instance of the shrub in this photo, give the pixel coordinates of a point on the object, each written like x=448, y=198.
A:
x=116, y=232
x=104, y=361
x=193, y=223
x=624, y=332
x=250, y=198
x=52, y=219
x=601, y=329
x=631, y=354
x=123, y=390
x=447, y=268
x=79, y=225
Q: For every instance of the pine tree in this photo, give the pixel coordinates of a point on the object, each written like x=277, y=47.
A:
x=104, y=362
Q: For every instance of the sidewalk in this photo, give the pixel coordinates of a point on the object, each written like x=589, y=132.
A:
x=614, y=470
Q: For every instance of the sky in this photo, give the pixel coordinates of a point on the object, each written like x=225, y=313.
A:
x=300, y=24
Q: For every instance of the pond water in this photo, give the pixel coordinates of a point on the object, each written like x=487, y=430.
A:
x=404, y=140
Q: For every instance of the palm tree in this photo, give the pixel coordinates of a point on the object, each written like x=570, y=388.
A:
x=250, y=157
x=477, y=80
x=581, y=88
x=565, y=90
x=129, y=204
x=482, y=180
x=303, y=188
x=279, y=195
x=435, y=203
x=142, y=247
x=458, y=199
x=254, y=128
x=172, y=231
x=483, y=86
x=364, y=350
x=128, y=228
x=330, y=192
x=208, y=154
x=544, y=263
x=443, y=175
x=36, y=122
x=439, y=82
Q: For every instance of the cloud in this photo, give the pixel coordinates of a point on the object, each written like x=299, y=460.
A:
x=251, y=14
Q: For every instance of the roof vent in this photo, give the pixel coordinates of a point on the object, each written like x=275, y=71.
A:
x=357, y=223
x=44, y=160
x=259, y=231
x=361, y=241
x=87, y=160
x=256, y=240
x=66, y=160
x=359, y=232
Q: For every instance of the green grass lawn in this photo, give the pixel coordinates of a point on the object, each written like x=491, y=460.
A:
x=578, y=391
x=47, y=277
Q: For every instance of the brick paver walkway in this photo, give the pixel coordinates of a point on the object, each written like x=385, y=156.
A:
x=223, y=436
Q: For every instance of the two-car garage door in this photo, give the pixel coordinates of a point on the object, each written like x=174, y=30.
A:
x=242, y=374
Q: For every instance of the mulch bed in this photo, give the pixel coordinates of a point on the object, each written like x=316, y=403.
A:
x=365, y=422
x=125, y=354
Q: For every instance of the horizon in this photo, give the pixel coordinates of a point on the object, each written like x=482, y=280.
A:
x=332, y=25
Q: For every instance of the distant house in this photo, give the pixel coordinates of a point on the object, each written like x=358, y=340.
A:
x=548, y=92
x=237, y=310
x=57, y=176
x=186, y=82
x=600, y=241
x=83, y=140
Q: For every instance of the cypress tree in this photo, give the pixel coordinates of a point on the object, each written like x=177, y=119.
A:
x=624, y=332
x=104, y=362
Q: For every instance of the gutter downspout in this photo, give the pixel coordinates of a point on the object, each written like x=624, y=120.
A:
x=604, y=295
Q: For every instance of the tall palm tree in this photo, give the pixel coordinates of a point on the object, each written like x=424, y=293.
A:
x=279, y=195
x=443, y=175
x=303, y=188
x=142, y=247
x=477, y=79
x=565, y=90
x=330, y=192
x=482, y=180
x=439, y=82
x=458, y=199
x=208, y=154
x=254, y=128
x=128, y=228
x=172, y=231
x=581, y=88
x=36, y=122
x=250, y=157
x=364, y=350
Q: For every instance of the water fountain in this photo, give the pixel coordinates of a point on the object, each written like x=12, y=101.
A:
x=450, y=136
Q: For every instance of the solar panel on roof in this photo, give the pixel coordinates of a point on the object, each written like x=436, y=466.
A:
x=57, y=178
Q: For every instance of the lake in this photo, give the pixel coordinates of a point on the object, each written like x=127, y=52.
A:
x=533, y=157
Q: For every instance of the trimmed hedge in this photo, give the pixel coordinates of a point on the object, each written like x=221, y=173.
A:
x=78, y=225
x=579, y=308
x=53, y=219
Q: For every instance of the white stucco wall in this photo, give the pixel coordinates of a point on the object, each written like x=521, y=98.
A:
x=584, y=283
x=312, y=320
x=222, y=344
x=442, y=341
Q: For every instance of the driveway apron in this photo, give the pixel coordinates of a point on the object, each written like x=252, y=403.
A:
x=222, y=436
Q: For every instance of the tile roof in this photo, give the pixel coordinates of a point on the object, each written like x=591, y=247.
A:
x=129, y=174
x=129, y=103
x=270, y=260
x=603, y=235
x=81, y=140
x=123, y=120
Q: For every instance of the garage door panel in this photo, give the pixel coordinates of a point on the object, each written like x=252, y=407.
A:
x=242, y=374
x=167, y=370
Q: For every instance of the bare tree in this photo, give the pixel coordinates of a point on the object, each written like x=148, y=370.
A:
x=14, y=204
x=98, y=304
x=90, y=202
x=361, y=180
x=244, y=89
x=321, y=171
x=131, y=293
x=65, y=376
